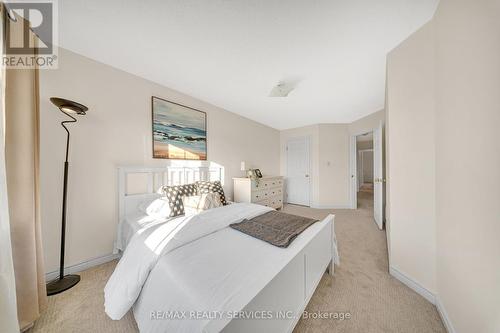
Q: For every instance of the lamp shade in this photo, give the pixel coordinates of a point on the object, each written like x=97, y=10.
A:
x=67, y=106
x=243, y=166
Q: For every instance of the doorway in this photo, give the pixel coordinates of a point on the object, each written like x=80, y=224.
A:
x=367, y=172
x=298, y=180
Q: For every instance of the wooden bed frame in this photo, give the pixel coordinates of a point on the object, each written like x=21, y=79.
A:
x=287, y=293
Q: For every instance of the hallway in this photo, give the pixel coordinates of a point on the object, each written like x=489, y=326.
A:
x=365, y=197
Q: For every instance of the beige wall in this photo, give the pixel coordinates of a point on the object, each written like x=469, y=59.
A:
x=468, y=163
x=117, y=131
x=443, y=111
x=334, y=179
x=411, y=154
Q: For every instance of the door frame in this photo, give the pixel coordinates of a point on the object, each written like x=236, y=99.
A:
x=307, y=138
x=379, y=182
x=353, y=171
x=353, y=168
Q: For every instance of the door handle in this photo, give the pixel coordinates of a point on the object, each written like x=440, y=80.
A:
x=307, y=176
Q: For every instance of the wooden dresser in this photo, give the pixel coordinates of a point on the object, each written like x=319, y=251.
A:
x=267, y=191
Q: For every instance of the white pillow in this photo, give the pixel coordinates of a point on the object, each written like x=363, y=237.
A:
x=159, y=208
x=197, y=203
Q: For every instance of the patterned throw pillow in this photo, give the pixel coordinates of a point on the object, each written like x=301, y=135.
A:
x=198, y=203
x=211, y=187
x=175, y=194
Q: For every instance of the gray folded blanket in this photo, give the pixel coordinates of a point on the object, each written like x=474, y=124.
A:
x=274, y=227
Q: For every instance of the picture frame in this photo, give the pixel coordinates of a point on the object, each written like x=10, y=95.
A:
x=258, y=173
x=179, y=132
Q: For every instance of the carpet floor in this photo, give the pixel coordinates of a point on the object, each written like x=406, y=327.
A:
x=361, y=289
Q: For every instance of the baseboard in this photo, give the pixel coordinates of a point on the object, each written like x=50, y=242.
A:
x=82, y=266
x=444, y=316
x=415, y=286
x=431, y=297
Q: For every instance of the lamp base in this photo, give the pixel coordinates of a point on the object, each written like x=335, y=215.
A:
x=59, y=285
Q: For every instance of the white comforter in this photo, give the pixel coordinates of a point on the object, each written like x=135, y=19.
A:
x=147, y=246
x=196, y=266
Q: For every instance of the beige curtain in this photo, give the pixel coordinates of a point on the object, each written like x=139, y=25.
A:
x=8, y=304
x=22, y=166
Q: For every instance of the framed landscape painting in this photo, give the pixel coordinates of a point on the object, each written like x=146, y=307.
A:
x=179, y=132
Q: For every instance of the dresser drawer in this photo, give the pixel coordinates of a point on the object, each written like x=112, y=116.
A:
x=274, y=202
x=264, y=202
x=267, y=193
x=268, y=183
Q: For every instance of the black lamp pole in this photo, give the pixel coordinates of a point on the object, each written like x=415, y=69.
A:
x=63, y=282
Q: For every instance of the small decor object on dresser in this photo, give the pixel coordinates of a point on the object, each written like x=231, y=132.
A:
x=179, y=132
x=258, y=173
x=266, y=191
x=251, y=174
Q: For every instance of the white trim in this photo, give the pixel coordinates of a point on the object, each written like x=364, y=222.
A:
x=353, y=173
x=82, y=266
x=415, y=286
x=428, y=295
x=360, y=169
x=444, y=316
x=346, y=206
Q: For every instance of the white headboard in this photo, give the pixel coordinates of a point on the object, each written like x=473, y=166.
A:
x=138, y=185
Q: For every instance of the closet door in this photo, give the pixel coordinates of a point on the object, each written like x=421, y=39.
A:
x=298, y=171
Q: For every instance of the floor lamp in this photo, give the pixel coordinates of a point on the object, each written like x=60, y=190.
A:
x=65, y=282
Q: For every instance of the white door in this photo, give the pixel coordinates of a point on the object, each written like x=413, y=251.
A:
x=298, y=171
x=378, y=177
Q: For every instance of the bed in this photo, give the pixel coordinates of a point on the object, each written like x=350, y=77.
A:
x=196, y=274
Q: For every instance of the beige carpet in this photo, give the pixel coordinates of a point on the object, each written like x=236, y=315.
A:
x=361, y=287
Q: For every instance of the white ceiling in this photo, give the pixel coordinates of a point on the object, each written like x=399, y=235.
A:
x=231, y=53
